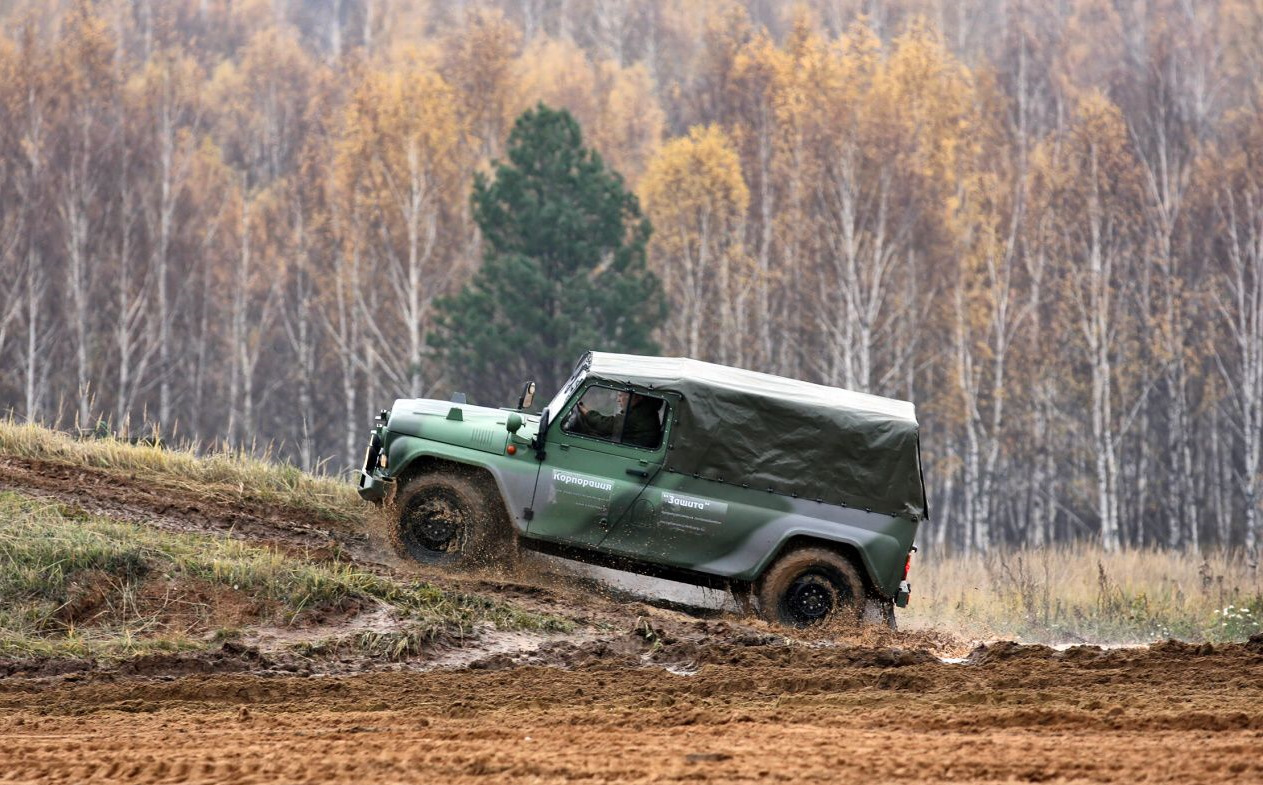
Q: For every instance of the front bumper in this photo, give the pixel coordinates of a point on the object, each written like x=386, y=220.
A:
x=373, y=489
x=905, y=591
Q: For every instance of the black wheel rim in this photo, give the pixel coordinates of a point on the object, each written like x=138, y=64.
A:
x=434, y=525
x=811, y=598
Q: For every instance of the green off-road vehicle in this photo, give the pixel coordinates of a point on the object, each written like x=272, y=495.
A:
x=801, y=497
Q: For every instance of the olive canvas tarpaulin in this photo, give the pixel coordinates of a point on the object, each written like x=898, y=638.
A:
x=783, y=435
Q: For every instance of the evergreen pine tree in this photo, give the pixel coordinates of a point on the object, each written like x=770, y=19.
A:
x=563, y=270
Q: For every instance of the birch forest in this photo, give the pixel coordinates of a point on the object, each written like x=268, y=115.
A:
x=228, y=221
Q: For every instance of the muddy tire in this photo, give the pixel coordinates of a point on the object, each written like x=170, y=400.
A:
x=450, y=519
x=809, y=586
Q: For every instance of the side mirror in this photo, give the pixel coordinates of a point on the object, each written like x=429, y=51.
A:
x=528, y=396
x=514, y=423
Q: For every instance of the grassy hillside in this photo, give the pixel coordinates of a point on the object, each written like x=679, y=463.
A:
x=218, y=475
x=74, y=583
x=82, y=585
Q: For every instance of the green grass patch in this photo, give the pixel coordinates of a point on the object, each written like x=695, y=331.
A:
x=73, y=584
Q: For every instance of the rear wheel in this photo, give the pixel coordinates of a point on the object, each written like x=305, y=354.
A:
x=449, y=518
x=809, y=586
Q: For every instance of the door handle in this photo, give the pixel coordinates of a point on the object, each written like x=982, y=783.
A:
x=641, y=473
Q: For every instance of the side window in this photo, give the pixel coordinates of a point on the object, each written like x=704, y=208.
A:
x=598, y=413
x=617, y=416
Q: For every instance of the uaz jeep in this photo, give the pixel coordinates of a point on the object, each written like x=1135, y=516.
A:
x=804, y=496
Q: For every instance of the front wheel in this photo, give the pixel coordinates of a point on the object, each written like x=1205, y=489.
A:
x=808, y=586
x=448, y=518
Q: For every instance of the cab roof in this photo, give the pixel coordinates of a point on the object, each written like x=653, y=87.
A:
x=788, y=436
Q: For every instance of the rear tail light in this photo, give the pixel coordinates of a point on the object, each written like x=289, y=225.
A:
x=907, y=566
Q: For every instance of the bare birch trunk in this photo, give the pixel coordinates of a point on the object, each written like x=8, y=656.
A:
x=726, y=294
x=165, y=209
x=301, y=335
x=1094, y=300
x=238, y=423
x=10, y=279
x=413, y=216
x=1041, y=479
x=36, y=283
x=76, y=200
x=865, y=254
x=1243, y=316
x=1220, y=504
x=766, y=225
x=132, y=297
x=967, y=382
x=201, y=353
x=695, y=288
x=418, y=210
x=344, y=328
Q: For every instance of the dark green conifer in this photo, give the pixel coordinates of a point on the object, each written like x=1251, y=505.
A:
x=563, y=267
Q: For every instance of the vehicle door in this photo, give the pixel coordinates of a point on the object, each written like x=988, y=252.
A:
x=594, y=479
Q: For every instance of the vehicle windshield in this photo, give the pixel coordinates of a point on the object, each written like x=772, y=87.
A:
x=567, y=389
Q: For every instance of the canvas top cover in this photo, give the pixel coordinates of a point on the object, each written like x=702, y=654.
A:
x=793, y=437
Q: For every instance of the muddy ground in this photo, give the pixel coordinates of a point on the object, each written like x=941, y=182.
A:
x=640, y=691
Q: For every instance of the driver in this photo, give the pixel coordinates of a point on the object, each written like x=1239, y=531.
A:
x=642, y=428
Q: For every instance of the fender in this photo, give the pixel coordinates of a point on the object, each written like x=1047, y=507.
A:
x=514, y=479
x=869, y=538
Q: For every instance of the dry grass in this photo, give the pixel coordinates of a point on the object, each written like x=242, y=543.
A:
x=223, y=474
x=1079, y=593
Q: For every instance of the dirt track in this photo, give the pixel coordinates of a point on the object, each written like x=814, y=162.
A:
x=640, y=693
x=1174, y=714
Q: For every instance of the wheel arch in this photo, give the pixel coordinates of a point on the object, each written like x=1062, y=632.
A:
x=426, y=463
x=848, y=549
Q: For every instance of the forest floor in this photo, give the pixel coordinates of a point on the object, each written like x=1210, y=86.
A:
x=280, y=642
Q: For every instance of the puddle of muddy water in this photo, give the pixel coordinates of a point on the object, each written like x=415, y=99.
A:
x=382, y=619
x=1058, y=647
x=1106, y=646
x=492, y=643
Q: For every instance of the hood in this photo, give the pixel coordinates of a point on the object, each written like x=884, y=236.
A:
x=461, y=424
